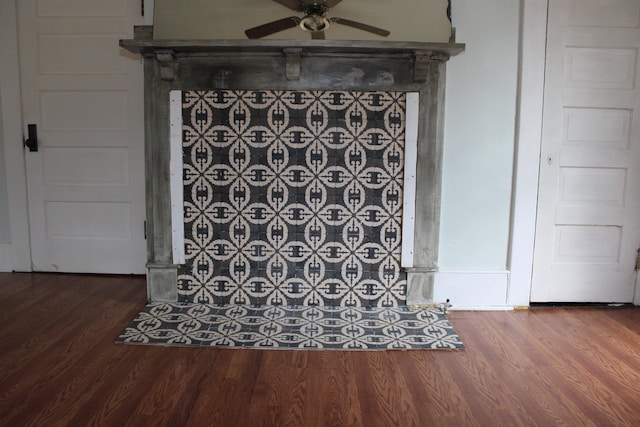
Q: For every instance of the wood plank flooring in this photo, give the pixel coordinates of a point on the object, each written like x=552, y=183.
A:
x=543, y=367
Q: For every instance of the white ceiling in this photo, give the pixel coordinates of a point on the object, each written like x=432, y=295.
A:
x=408, y=20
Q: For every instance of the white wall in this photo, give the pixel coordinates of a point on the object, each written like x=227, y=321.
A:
x=4, y=196
x=14, y=247
x=479, y=136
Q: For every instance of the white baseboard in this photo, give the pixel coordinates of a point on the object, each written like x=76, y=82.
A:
x=11, y=259
x=472, y=290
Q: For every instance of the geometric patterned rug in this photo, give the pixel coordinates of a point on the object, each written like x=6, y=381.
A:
x=292, y=327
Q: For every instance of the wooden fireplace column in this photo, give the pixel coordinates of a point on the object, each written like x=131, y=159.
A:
x=292, y=65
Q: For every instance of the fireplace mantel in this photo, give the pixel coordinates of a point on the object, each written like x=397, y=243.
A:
x=292, y=65
x=419, y=54
x=146, y=46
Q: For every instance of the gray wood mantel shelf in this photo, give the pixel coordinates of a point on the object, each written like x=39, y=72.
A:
x=311, y=46
x=292, y=65
x=292, y=50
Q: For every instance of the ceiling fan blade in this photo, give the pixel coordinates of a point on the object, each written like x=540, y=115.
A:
x=291, y=4
x=272, y=27
x=361, y=26
x=317, y=35
x=331, y=3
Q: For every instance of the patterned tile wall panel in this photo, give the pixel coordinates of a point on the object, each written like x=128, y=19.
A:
x=293, y=198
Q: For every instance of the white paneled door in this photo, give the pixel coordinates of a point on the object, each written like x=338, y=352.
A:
x=84, y=94
x=588, y=227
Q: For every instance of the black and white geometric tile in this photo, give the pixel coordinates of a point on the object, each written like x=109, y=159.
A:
x=292, y=227
x=293, y=198
x=299, y=327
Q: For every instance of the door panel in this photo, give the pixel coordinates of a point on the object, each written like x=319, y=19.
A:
x=86, y=182
x=82, y=8
x=60, y=54
x=588, y=228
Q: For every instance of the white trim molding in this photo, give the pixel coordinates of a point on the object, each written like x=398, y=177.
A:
x=409, y=187
x=175, y=166
x=533, y=27
x=468, y=290
x=16, y=255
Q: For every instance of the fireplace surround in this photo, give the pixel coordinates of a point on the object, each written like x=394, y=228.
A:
x=298, y=67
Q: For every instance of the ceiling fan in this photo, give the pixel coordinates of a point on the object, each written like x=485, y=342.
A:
x=314, y=20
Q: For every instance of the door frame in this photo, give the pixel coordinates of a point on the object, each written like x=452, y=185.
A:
x=533, y=36
x=15, y=256
x=532, y=62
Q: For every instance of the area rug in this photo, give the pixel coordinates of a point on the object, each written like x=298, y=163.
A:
x=292, y=327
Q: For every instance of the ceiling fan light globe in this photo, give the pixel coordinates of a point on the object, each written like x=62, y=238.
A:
x=314, y=23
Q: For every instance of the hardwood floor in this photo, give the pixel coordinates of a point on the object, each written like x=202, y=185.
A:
x=547, y=367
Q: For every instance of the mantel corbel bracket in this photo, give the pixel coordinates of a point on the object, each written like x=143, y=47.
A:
x=292, y=65
x=441, y=57
x=421, y=64
x=167, y=62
